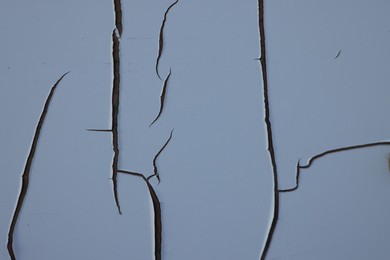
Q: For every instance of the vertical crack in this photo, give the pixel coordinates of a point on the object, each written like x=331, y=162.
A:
x=161, y=38
x=156, y=213
x=317, y=156
x=27, y=169
x=155, y=169
x=115, y=112
x=116, y=34
x=162, y=98
x=263, y=61
x=118, y=16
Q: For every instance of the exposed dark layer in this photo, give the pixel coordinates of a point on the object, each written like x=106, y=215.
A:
x=115, y=112
x=315, y=157
x=27, y=169
x=155, y=169
x=162, y=98
x=157, y=214
x=263, y=61
x=161, y=38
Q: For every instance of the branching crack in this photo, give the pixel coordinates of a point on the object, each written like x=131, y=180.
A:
x=115, y=112
x=157, y=214
x=162, y=98
x=27, y=169
x=155, y=169
x=116, y=34
x=263, y=61
x=315, y=157
x=161, y=39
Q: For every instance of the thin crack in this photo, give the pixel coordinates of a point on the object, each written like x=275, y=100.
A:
x=157, y=214
x=155, y=169
x=315, y=157
x=337, y=55
x=161, y=39
x=99, y=130
x=263, y=61
x=162, y=98
x=115, y=112
x=27, y=169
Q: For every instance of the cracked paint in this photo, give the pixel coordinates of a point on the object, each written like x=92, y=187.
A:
x=161, y=37
x=162, y=98
x=263, y=62
x=27, y=169
x=116, y=34
x=198, y=98
x=155, y=168
x=320, y=155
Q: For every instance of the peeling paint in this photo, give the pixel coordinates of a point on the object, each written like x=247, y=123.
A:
x=27, y=169
x=162, y=98
x=320, y=155
x=156, y=213
x=263, y=62
x=161, y=38
x=155, y=169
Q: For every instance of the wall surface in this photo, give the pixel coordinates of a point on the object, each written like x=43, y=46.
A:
x=194, y=129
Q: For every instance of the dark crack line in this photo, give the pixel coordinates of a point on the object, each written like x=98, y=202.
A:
x=118, y=16
x=115, y=112
x=155, y=168
x=162, y=98
x=337, y=55
x=99, y=130
x=318, y=156
x=157, y=214
x=27, y=169
x=263, y=61
x=161, y=38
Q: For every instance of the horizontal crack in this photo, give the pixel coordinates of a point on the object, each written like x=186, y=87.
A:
x=99, y=130
x=315, y=157
x=27, y=169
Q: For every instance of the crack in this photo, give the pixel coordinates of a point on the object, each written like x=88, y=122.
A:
x=162, y=98
x=98, y=130
x=157, y=214
x=118, y=16
x=337, y=55
x=115, y=112
x=161, y=39
x=116, y=34
x=155, y=169
x=27, y=169
x=337, y=150
x=263, y=61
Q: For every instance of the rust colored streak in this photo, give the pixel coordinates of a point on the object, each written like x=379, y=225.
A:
x=155, y=168
x=263, y=61
x=115, y=112
x=161, y=38
x=162, y=98
x=318, y=156
x=27, y=169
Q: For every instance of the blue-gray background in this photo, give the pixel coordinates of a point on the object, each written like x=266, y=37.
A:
x=216, y=179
